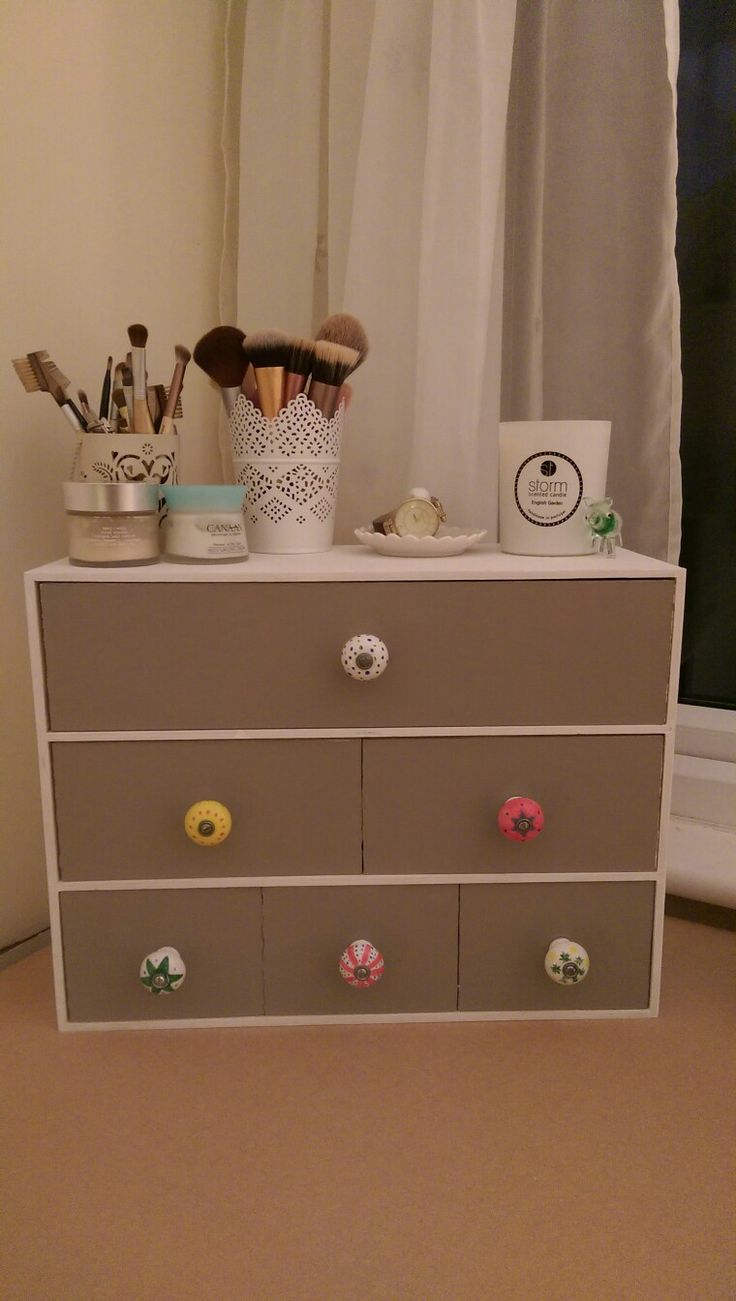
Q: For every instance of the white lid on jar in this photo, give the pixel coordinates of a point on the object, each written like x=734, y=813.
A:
x=111, y=498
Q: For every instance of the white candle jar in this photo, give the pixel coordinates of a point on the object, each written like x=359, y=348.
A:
x=112, y=523
x=546, y=470
x=205, y=522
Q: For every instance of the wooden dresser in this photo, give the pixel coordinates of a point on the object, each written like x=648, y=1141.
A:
x=359, y=809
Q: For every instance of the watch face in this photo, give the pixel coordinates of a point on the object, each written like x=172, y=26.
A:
x=416, y=516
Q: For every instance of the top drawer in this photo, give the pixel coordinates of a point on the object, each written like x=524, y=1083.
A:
x=130, y=656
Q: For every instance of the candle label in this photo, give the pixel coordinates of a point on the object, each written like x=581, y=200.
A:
x=548, y=488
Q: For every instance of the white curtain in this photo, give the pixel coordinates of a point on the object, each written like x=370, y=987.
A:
x=591, y=302
x=373, y=179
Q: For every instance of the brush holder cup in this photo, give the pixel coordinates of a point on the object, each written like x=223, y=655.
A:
x=546, y=470
x=128, y=458
x=289, y=467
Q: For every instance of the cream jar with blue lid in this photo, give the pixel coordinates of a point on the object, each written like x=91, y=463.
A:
x=205, y=522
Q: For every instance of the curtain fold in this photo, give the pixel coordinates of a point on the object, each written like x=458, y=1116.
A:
x=455, y=173
x=591, y=299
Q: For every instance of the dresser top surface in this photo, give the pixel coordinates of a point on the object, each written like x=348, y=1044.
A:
x=357, y=564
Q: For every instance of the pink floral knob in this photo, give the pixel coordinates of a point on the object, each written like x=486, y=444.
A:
x=520, y=818
x=361, y=965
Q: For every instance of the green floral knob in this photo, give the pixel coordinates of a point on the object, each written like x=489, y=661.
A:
x=163, y=972
x=567, y=963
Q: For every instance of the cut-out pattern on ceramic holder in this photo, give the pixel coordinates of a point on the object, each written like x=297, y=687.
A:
x=290, y=468
x=128, y=458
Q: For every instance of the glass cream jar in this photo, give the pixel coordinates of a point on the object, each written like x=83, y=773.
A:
x=205, y=522
x=112, y=523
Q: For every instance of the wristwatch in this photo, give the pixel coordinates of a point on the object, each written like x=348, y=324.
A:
x=420, y=515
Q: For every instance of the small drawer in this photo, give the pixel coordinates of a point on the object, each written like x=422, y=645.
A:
x=431, y=804
x=506, y=931
x=139, y=656
x=107, y=935
x=120, y=806
x=306, y=931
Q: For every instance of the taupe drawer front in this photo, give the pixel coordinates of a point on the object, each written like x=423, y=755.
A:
x=506, y=930
x=133, y=656
x=305, y=931
x=431, y=803
x=120, y=805
x=106, y=935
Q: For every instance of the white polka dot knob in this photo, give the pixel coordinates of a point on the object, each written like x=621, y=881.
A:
x=364, y=657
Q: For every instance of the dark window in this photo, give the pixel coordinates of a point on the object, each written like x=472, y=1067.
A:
x=706, y=259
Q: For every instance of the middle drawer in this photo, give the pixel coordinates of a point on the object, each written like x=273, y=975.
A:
x=120, y=806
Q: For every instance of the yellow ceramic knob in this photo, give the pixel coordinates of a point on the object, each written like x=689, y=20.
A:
x=208, y=822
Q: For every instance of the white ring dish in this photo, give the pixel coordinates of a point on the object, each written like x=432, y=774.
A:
x=446, y=542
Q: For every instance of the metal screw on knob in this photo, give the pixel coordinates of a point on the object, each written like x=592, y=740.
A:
x=364, y=660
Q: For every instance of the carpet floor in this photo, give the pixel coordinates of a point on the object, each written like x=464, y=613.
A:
x=498, y=1161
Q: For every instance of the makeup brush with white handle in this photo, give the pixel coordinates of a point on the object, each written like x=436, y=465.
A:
x=142, y=422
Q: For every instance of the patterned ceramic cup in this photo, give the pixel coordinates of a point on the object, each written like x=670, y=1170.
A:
x=127, y=458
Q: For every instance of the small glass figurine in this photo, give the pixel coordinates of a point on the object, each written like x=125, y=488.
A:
x=604, y=524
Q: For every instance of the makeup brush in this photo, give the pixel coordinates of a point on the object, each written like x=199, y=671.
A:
x=219, y=353
x=298, y=368
x=142, y=423
x=117, y=399
x=267, y=351
x=347, y=331
x=128, y=392
x=182, y=355
x=38, y=373
x=333, y=363
x=158, y=396
x=118, y=412
x=105, y=396
x=90, y=416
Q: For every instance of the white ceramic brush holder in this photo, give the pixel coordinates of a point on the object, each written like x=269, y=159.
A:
x=126, y=458
x=290, y=468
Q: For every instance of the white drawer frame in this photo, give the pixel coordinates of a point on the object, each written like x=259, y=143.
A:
x=351, y=564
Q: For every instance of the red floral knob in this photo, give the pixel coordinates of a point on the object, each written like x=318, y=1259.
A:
x=520, y=818
x=361, y=964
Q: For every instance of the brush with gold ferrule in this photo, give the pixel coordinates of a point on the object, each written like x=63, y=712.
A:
x=333, y=363
x=267, y=351
x=183, y=356
x=142, y=422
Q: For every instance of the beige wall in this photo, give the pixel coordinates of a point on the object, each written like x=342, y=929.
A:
x=112, y=211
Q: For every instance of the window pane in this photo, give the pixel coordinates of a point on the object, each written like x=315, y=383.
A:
x=706, y=257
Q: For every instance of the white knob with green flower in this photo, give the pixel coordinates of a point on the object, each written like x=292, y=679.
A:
x=163, y=972
x=567, y=963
